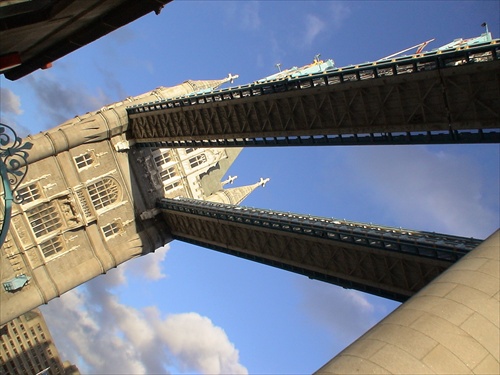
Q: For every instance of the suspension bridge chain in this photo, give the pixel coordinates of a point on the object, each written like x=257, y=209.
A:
x=389, y=262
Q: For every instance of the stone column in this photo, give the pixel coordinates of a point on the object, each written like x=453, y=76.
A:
x=450, y=327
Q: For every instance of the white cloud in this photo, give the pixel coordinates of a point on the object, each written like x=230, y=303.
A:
x=245, y=15
x=339, y=12
x=9, y=102
x=250, y=19
x=440, y=190
x=198, y=345
x=346, y=313
x=314, y=26
x=332, y=19
x=60, y=99
x=93, y=329
x=148, y=266
x=10, y=108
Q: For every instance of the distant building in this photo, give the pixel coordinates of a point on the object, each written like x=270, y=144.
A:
x=89, y=201
x=26, y=347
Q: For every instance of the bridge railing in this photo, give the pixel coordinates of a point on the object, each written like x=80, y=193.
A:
x=372, y=70
x=426, y=244
x=451, y=136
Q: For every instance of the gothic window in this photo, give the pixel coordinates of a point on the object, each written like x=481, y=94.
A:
x=44, y=218
x=85, y=160
x=29, y=193
x=172, y=186
x=189, y=150
x=163, y=158
x=112, y=228
x=104, y=193
x=197, y=160
x=167, y=174
x=51, y=247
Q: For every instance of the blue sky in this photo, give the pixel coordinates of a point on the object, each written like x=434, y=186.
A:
x=188, y=309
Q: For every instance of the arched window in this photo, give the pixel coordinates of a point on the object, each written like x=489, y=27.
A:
x=197, y=160
x=104, y=193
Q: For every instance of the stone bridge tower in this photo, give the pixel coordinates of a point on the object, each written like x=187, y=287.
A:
x=88, y=201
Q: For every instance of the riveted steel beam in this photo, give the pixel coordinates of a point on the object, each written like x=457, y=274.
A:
x=448, y=98
x=390, y=262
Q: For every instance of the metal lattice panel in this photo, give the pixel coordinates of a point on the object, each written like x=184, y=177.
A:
x=449, y=99
x=388, y=262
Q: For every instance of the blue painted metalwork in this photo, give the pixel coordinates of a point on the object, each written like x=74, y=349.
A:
x=483, y=38
x=13, y=168
x=318, y=66
x=16, y=283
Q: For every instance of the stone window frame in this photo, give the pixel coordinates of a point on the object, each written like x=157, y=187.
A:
x=52, y=247
x=162, y=158
x=85, y=160
x=197, y=160
x=168, y=174
x=44, y=218
x=112, y=229
x=173, y=186
x=30, y=192
x=104, y=192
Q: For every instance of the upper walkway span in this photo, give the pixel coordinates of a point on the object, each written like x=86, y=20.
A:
x=440, y=97
x=389, y=262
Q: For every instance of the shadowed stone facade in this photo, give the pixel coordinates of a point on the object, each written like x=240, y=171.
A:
x=89, y=201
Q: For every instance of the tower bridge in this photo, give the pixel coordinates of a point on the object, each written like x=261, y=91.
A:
x=91, y=201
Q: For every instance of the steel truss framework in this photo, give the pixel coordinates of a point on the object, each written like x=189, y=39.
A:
x=389, y=262
x=443, y=98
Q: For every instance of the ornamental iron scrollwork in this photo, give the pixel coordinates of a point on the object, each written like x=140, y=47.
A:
x=13, y=169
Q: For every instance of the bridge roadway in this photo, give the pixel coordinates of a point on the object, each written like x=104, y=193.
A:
x=389, y=262
x=448, y=97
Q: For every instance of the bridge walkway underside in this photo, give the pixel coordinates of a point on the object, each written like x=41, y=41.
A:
x=388, y=262
x=417, y=102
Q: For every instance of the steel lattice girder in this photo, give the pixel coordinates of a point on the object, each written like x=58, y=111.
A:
x=464, y=97
x=388, y=264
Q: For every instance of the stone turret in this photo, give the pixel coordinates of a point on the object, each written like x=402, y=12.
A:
x=236, y=195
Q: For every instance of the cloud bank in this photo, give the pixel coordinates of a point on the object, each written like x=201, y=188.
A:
x=10, y=107
x=60, y=100
x=345, y=313
x=9, y=102
x=93, y=329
